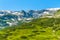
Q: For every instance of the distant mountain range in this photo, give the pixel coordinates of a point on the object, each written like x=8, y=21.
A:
x=9, y=18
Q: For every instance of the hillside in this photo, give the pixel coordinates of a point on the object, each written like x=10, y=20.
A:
x=38, y=29
x=45, y=26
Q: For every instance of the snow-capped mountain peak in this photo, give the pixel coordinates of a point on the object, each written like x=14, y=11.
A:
x=9, y=18
x=53, y=9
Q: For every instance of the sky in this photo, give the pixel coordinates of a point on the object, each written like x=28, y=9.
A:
x=28, y=4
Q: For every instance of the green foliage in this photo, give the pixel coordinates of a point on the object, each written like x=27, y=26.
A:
x=37, y=29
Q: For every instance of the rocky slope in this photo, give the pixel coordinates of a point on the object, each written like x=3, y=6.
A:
x=9, y=18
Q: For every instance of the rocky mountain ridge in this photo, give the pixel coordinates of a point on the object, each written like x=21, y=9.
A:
x=9, y=18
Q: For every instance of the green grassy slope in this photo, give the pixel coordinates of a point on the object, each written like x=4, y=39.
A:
x=38, y=29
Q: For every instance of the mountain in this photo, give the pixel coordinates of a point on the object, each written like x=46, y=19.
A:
x=37, y=29
x=10, y=18
x=30, y=25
